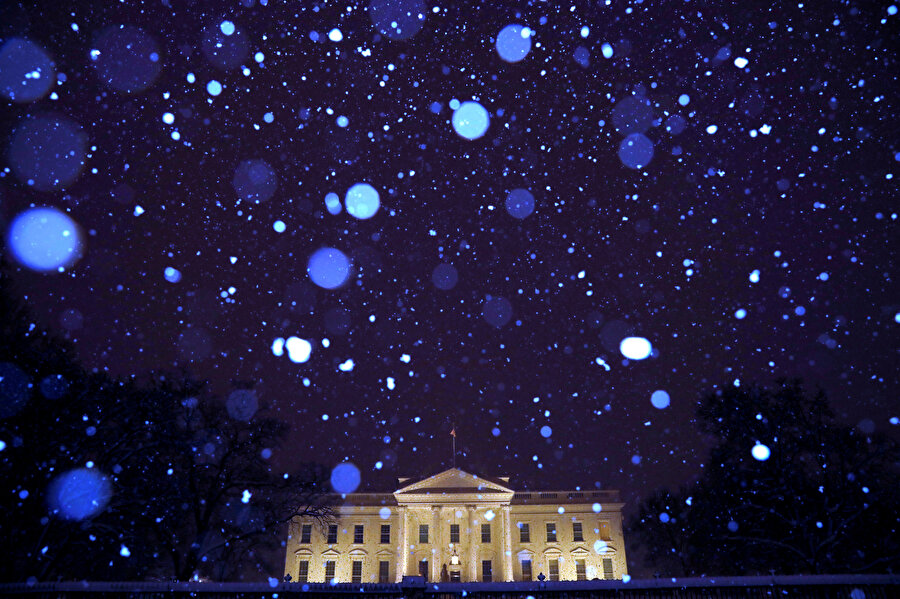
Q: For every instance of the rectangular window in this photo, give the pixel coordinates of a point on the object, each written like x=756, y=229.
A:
x=485, y=533
x=329, y=571
x=454, y=533
x=487, y=574
x=332, y=534
x=526, y=569
x=577, y=532
x=607, y=568
x=580, y=570
x=423, y=533
x=306, y=534
x=423, y=569
x=551, y=532
x=554, y=569
x=384, y=572
x=356, y=573
x=359, y=534
x=524, y=532
x=385, y=534
x=303, y=572
x=604, y=530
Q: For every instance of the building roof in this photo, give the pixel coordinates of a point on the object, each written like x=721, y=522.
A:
x=457, y=483
x=452, y=481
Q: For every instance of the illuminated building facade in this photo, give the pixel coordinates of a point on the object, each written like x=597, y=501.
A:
x=455, y=526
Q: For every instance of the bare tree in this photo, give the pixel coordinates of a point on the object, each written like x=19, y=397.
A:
x=810, y=501
x=192, y=491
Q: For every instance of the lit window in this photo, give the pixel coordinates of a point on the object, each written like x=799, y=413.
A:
x=580, y=570
x=607, y=568
x=524, y=533
x=577, y=532
x=303, y=572
x=554, y=569
x=526, y=569
x=486, y=571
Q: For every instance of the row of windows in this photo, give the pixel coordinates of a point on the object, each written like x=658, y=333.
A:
x=577, y=532
x=385, y=538
x=553, y=569
x=580, y=569
x=487, y=571
x=356, y=568
x=332, y=534
x=525, y=532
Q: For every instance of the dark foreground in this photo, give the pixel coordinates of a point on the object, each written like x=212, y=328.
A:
x=743, y=587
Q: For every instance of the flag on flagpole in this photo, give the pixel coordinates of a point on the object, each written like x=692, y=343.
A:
x=453, y=436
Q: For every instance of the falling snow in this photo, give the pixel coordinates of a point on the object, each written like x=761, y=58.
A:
x=550, y=228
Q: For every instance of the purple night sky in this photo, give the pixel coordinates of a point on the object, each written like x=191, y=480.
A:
x=756, y=237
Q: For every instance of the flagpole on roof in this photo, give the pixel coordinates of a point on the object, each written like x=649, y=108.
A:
x=453, y=436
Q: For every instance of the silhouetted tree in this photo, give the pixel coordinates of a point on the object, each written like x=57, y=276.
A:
x=824, y=501
x=190, y=488
x=229, y=502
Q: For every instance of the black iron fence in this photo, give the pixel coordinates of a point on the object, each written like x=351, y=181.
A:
x=739, y=587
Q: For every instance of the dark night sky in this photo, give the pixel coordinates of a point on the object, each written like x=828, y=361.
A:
x=664, y=252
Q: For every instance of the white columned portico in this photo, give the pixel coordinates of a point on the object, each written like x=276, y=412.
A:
x=507, y=557
x=473, y=539
x=456, y=497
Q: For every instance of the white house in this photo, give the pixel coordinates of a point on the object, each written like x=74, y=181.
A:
x=456, y=526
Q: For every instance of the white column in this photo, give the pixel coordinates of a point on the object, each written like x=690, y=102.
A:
x=402, y=543
x=506, y=548
x=471, y=537
x=437, y=550
x=500, y=566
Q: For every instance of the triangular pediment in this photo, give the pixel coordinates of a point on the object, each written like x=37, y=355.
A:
x=454, y=481
x=604, y=548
